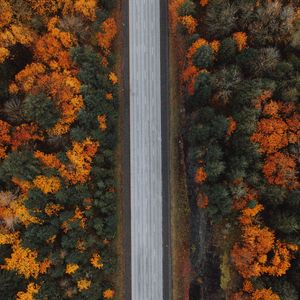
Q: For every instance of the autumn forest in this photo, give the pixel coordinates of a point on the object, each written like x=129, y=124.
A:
x=59, y=110
x=239, y=78
x=236, y=68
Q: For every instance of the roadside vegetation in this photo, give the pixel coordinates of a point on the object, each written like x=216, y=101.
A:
x=58, y=137
x=240, y=75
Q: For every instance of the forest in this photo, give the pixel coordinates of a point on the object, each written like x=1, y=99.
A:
x=239, y=68
x=58, y=137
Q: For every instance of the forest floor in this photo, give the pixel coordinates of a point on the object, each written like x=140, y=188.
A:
x=180, y=210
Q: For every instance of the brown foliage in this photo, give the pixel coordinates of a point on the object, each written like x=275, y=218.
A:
x=281, y=169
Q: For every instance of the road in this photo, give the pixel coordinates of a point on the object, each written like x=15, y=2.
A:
x=146, y=194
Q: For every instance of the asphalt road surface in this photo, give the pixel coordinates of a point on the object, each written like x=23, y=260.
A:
x=145, y=150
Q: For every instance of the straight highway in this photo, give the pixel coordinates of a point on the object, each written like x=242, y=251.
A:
x=146, y=191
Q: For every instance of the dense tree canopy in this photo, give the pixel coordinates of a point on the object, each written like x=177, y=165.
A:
x=59, y=111
x=240, y=76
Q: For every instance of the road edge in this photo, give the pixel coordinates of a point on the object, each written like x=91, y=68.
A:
x=165, y=138
x=126, y=151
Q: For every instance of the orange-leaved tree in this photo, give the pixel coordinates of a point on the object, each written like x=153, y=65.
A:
x=258, y=252
x=53, y=75
x=107, y=35
x=278, y=127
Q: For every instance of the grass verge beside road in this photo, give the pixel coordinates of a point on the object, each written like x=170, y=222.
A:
x=180, y=211
x=119, y=276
